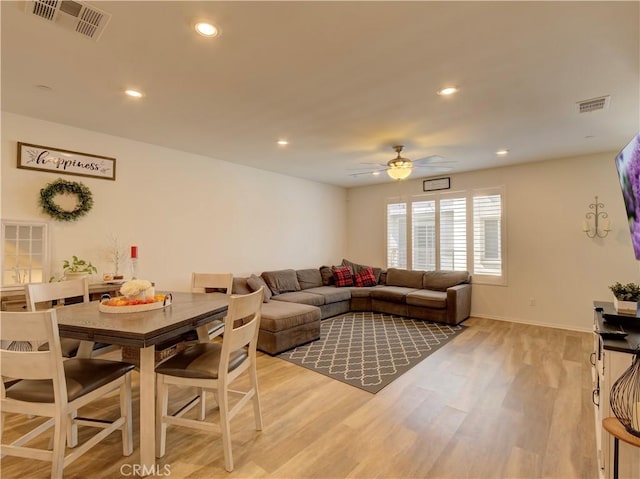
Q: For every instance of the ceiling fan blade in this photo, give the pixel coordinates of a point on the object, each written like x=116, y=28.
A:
x=368, y=173
x=435, y=168
x=432, y=159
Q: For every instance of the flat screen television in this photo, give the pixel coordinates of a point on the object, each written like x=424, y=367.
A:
x=628, y=165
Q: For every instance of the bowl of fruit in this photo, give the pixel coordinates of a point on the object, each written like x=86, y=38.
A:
x=137, y=295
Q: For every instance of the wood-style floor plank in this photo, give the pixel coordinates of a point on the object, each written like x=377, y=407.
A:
x=501, y=400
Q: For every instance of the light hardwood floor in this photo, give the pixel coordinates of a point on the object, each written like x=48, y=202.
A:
x=502, y=400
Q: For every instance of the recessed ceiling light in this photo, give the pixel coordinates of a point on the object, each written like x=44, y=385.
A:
x=133, y=93
x=446, y=91
x=283, y=142
x=502, y=152
x=206, y=29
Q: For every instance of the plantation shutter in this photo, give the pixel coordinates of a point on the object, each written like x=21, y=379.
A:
x=423, y=221
x=453, y=234
x=397, y=235
x=487, y=235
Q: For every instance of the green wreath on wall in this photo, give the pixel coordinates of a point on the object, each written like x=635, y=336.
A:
x=60, y=187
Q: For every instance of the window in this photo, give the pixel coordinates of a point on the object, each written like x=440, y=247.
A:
x=397, y=235
x=487, y=234
x=24, y=252
x=463, y=231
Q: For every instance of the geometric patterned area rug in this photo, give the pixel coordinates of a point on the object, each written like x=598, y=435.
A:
x=369, y=350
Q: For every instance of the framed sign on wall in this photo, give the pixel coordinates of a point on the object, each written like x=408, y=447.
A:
x=56, y=160
x=436, y=184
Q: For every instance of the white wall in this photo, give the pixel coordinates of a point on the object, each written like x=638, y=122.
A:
x=185, y=212
x=550, y=259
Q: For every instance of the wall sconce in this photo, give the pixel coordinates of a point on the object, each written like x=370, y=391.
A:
x=599, y=230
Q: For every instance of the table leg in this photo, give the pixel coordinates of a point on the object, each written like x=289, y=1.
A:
x=147, y=409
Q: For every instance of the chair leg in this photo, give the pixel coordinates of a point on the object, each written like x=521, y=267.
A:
x=257, y=410
x=125, y=410
x=202, y=394
x=162, y=406
x=225, y=426
x=72, y=430
x=59, y=431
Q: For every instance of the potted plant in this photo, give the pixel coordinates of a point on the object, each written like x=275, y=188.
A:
x=625, y=297
x=77, y=268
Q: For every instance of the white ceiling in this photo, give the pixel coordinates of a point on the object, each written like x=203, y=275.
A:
x=342, y=81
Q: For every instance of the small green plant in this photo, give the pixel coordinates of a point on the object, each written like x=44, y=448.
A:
x=626, y=292
x=77, y=265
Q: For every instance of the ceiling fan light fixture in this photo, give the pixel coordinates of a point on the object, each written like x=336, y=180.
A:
x=399, y=170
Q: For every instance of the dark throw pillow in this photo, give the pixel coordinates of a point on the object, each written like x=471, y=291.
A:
x=342, y=276
x=366, y=278
x=327, y=275
x=254, y=282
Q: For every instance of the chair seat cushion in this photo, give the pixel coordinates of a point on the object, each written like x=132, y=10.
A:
x=200, y=361
x=428, y=299
x=82, y=376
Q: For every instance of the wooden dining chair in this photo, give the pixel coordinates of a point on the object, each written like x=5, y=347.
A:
x=49, y=387
x=212, y=283
x=39, y=293
x=213, y=366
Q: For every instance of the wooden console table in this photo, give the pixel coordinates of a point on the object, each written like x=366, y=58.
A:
x=13, y=298
x=612, y=355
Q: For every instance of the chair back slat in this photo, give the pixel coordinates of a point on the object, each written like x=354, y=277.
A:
x=40, y=326
x=200, y=282
x=247, y=308
x=41, y=292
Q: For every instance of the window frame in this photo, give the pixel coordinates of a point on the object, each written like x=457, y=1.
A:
x=45, y=251
x=468, y=195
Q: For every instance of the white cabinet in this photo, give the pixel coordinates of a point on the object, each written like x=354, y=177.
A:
x=608, y=365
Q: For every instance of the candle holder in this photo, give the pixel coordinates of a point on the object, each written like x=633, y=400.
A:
x=596, y=215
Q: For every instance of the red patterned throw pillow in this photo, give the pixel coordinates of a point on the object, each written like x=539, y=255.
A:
x=366, y=277
x=342, y=276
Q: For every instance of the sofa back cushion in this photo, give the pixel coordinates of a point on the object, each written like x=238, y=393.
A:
x=441, y=280
x=327, y=275
x=404, y=278
x=281, y=281
x=309, y=278
x=357, y=268
x=240, y=286
x=255, y=283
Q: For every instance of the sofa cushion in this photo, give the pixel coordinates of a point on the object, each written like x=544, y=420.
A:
x=302, y=297
x=327, y=275
x=309, y=278
x=281, y=281
x=255, y=282
x=361, y=292
x=392, y=294
x=428, y=299
x=356, y=268
x=281, y=315
x=342, y=276
x=404, y=278
x=365, y=277
x=332, y=294
x=441, y=280
x=240, y=286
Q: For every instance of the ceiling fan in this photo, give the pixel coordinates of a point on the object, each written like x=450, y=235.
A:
x=401, y=168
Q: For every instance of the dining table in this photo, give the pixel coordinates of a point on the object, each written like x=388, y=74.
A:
x=143, y=330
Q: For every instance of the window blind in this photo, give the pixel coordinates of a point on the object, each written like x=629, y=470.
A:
x=397, y=235
x=487, y=235
x=453, y=234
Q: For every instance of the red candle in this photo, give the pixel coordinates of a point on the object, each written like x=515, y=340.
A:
x=134, y=251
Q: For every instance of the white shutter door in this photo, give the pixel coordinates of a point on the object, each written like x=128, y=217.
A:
x=487, y=232
x=423, y=222
x=397, y=235
x=453, y=234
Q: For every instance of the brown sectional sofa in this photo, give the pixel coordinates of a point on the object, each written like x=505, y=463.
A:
x=301, y=299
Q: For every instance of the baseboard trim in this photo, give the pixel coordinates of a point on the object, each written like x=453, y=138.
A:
x=533, y=323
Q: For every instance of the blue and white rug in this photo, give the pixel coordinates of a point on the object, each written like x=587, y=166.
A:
x=370, y=350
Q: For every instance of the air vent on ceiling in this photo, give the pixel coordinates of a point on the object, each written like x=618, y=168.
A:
x=79, y=17
x=594, y=104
